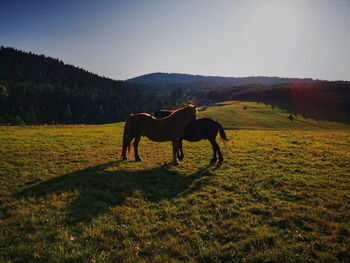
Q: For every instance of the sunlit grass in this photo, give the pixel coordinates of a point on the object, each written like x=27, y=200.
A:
x=279, y=196
x=252, y=115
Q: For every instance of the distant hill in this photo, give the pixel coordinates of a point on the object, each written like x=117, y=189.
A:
x=169, y=81
x=40, y=89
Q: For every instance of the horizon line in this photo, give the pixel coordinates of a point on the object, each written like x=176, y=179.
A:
x=164, y=72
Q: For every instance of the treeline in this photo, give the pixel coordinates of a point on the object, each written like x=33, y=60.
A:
x=39, y=89
x=216, y=94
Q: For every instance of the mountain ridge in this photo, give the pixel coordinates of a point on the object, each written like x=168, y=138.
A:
x=164, y=81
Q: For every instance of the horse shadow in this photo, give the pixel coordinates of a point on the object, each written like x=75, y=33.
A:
x=100, y=188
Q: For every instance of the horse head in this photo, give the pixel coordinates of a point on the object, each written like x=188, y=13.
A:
x=193, y=111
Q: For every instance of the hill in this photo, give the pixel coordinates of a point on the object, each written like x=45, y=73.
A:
x=169, y=81
x=40, y=89
x=260, y=116
x=323, y=100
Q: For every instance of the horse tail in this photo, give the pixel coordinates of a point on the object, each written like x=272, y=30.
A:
x=126, y=129
x=222, y=132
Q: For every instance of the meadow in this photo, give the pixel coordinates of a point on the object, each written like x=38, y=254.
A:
x=281, y=195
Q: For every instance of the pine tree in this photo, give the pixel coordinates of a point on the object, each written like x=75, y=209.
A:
x=68, y=114
x=30, y=117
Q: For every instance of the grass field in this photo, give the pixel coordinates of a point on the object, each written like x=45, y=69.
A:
x=252, y=115
x=281, y=195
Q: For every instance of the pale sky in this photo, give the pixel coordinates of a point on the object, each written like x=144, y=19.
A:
x=124, y=39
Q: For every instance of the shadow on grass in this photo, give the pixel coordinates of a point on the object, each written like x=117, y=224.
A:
x=99, y=189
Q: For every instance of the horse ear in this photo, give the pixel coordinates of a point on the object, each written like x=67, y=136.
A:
x=195, y=105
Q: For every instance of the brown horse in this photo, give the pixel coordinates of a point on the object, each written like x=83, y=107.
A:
x=171, y=128
x=200, y=129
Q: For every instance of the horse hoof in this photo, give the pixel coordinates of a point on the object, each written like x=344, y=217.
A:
x=176, y=163
x=181, y=157
x=124, y=158
x=138, y=159
x=212, y=161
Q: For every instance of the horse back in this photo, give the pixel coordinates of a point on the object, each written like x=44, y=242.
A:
x=162, y=113
x=136, y=122
x=201, y=129
x=155, y=129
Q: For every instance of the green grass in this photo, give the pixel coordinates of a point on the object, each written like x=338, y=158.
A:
x=252, y=115
x=280, y=196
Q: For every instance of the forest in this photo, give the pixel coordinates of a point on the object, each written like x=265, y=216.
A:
x=38, y=89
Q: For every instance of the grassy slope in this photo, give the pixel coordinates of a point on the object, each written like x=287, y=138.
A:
x=279, y=196
x=260, y=116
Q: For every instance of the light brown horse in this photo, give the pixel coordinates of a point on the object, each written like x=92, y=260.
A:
x=171, y=128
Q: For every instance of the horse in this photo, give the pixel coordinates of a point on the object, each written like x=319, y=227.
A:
x=170, y=128
x=197, y=130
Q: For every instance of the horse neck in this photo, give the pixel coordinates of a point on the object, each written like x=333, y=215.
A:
x=165, y=113
x=182, y=114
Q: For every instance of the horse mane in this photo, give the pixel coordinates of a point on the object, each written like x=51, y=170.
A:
x=174, y=111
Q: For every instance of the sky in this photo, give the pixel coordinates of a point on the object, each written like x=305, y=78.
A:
x=236, y=38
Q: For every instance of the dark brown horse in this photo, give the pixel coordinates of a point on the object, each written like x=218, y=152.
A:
x=170, y=128
x=200, y=129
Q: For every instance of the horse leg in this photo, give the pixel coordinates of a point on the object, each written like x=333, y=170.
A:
x=215, y=144
x=175, y=151
x=126, y=143
x=212, y=141
x=136, y=151
x=180, y=154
